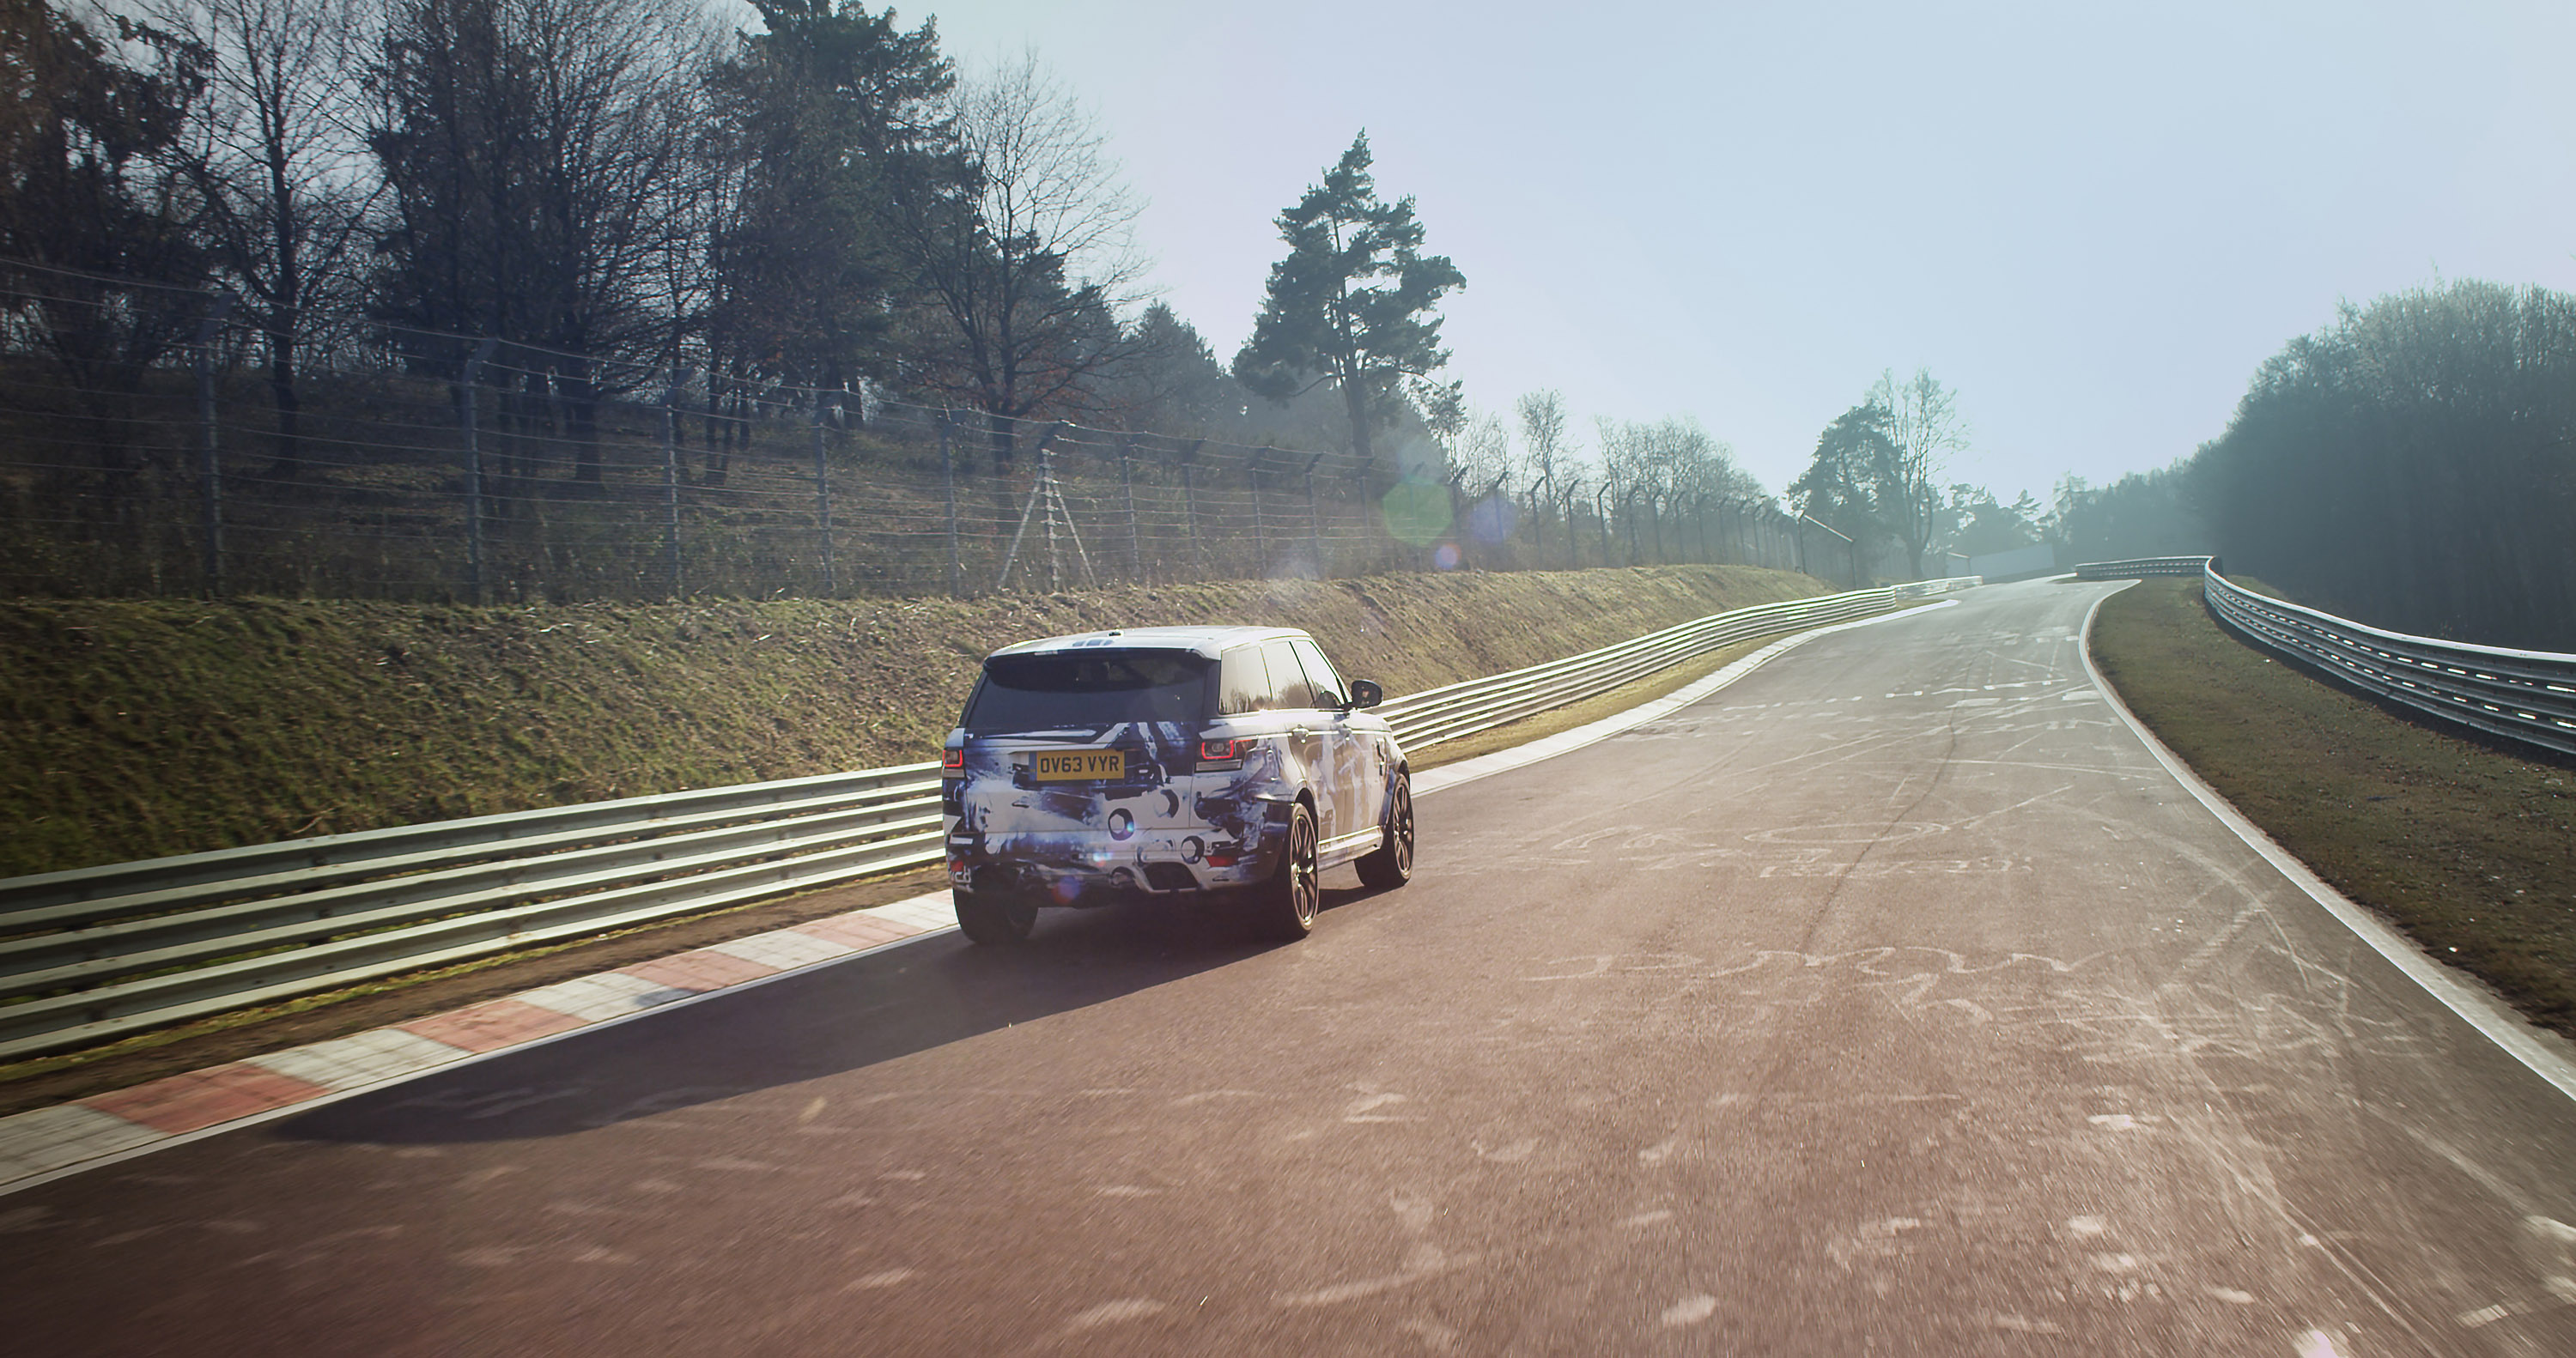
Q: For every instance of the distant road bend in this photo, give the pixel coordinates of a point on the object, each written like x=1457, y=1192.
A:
x=1893, y=1000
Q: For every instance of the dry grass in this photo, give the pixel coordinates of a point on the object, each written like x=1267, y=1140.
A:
x=2468, y=847
x=134, y=729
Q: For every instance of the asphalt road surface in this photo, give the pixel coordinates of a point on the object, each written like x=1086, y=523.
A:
x=1893, y=1000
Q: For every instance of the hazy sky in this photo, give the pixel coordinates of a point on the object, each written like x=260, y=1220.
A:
x=2091, y=221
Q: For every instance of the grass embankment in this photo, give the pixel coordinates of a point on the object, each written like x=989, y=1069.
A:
x=2467, y=847
x=133, y=729
x=164, y=727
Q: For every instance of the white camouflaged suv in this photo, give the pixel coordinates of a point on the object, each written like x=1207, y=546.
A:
x=1201, y=762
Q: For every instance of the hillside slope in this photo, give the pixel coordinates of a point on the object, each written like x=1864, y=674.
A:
x=133, y=729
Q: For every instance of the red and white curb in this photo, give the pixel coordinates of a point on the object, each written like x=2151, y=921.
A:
x=48, y=1143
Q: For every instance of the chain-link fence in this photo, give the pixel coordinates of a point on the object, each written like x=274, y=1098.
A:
x=149, y=447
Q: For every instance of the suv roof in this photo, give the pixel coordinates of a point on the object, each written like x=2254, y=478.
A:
x=1207, y=641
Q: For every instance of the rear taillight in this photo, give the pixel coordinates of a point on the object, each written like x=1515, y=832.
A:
x=1223, y=754
x=952, y=762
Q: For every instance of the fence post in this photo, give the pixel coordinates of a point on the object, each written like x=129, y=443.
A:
x=209, y=331
x=474, y=473
x=1372, y=523
x=1315, y=518
x=1457, y=514
x=948, y=490
x=671, y=474
x=1260, y=531
x=1190, y=507
x=1046, y=490
x=1565, y=497
x=823, y=496
x=1127, y=483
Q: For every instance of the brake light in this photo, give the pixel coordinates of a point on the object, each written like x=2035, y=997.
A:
x=1223, y=754
x=952, y=760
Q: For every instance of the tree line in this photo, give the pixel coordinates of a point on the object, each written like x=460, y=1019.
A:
x=2413, y=466
x=625, y=195
x=628, y=199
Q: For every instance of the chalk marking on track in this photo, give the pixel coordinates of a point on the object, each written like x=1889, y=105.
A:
x=2490, y=1017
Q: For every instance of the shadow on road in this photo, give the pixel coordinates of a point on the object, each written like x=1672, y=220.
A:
x=832, y=1019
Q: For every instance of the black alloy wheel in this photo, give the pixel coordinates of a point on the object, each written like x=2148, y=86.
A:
x=1291, y=897
x=1391, y=865
x=994, y=918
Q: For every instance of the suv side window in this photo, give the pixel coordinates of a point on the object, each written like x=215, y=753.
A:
x=1288, y=684
x=1243, y=682
x=1329, y=691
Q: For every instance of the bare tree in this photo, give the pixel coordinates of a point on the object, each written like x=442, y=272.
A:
x=539, y=167
x=1482, y=451
x=1546, y=453
x=1025, y=255
x=1923, y=428
x=277, y=159
x=1665, y=466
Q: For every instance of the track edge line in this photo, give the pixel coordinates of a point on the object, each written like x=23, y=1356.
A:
x=2516, y=1036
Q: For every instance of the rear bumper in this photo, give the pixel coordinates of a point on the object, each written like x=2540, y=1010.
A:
x=1087, y=868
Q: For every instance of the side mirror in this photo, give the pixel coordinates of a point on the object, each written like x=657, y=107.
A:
x=1366, y=693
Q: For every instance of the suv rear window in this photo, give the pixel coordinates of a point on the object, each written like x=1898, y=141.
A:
x=1086, y=689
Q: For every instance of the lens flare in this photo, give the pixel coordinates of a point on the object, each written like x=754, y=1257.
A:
x=1417, y=512
x=1492, y=520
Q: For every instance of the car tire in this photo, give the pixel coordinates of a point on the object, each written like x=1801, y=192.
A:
x=1392, y=863
x=1287, y=904
x=994, y=919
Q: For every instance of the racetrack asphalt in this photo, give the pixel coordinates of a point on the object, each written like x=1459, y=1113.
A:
x=1893, y=999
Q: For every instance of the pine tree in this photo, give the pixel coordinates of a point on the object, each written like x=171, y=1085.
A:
x=1351, y=304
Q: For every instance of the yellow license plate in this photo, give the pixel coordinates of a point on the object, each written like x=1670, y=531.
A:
x=1075, y=766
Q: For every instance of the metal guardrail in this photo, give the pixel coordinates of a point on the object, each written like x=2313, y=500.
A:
x=2139, y=568
x=1446, y=713
x=95, y=953
x=2529, y=696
